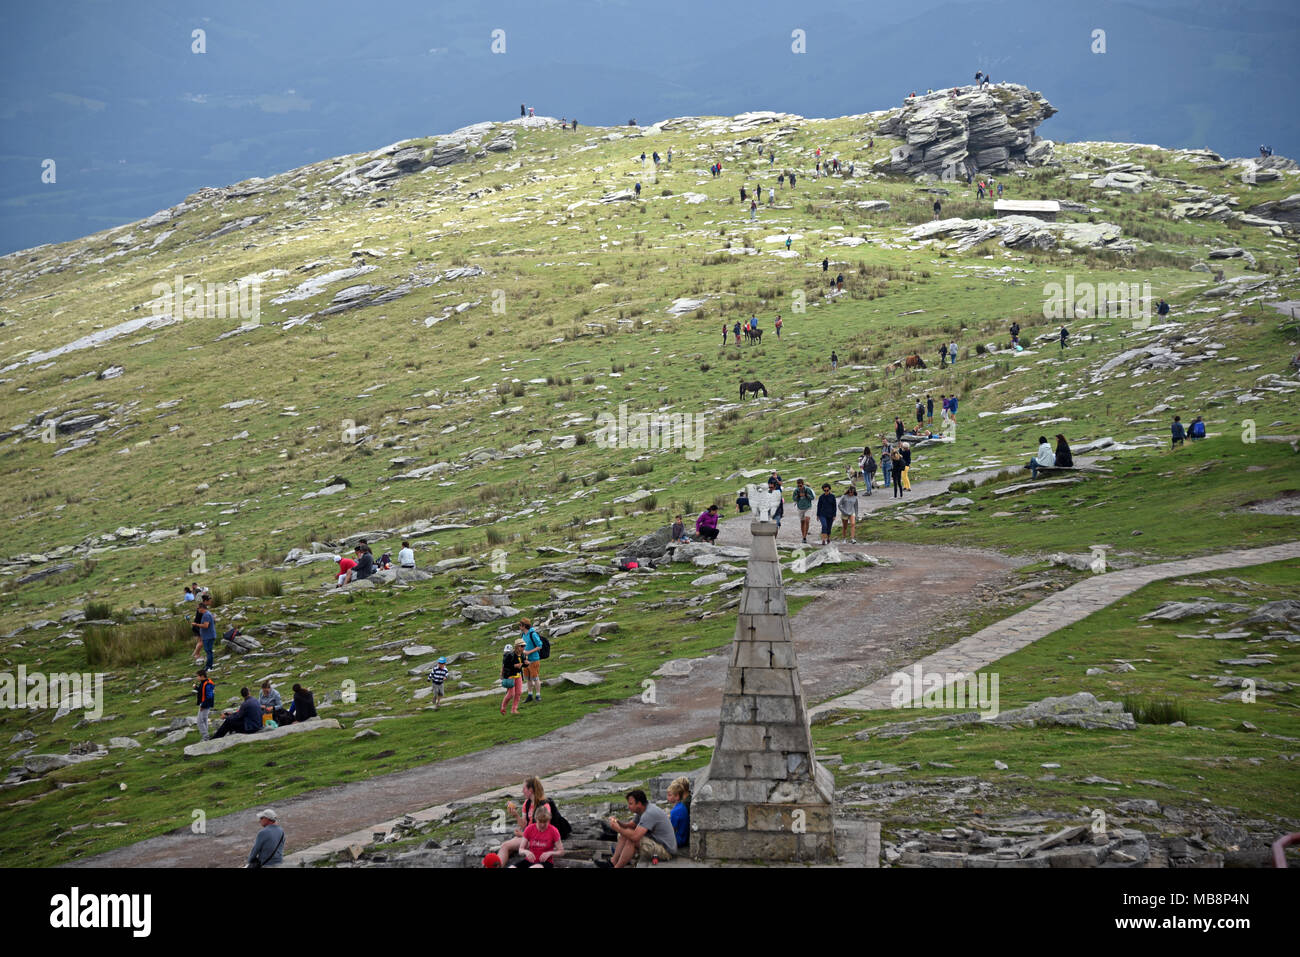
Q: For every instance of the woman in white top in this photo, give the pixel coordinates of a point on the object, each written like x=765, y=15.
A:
x=849, y=515
x=406, y=557
x=1045, y=459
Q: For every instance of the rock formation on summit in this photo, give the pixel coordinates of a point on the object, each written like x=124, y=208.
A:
x=949, y=136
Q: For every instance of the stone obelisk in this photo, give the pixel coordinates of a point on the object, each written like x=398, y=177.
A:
x=764, y=796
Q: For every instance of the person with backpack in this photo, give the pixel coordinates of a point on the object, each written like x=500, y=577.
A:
x=207, y=698
x=1065, y=337
x=1162, y=309
x=638, y=190
x=1197, y=429
x=512, y=670
x=268, y=848
x=534, y=800
x=787, y=243
x=803, y=501
x=867, y=466
x=536, y=648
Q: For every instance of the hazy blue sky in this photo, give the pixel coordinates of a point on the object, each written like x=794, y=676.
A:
x=136, y=121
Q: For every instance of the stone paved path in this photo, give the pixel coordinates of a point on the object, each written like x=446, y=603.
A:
x=1053, y=613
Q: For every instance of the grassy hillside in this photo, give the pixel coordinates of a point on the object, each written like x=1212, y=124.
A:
x=523, y=308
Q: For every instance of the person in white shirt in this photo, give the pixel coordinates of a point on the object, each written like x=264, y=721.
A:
x=406, y=557
x=1045, y=458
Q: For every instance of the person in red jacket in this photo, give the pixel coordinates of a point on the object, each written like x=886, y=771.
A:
x=346, y=565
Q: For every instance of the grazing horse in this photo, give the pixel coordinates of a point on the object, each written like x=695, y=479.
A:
x=755, y=387
x=755, y=335
x=914, y=361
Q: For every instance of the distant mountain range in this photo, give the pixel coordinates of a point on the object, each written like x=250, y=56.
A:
x=136, y=121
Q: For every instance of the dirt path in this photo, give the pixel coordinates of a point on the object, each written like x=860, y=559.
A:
x=838, y=653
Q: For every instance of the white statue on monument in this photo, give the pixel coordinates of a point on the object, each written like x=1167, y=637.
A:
x=764, y=502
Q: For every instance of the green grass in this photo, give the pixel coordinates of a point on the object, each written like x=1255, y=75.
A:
x=437, y=394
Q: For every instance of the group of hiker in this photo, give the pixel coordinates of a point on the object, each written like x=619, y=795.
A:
x=364, y=564
x=266, y=711
x=649, y=835
x=1178, y=432
x=521, y=664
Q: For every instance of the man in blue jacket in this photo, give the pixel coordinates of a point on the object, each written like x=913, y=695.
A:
x=247, y=720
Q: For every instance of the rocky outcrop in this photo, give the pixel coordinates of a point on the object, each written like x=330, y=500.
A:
x=213, y=745
x=946, y=136
x=1022, y=232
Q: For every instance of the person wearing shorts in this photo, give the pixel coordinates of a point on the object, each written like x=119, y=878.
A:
x=803, y=500
x=648, y=835
x=533, y=664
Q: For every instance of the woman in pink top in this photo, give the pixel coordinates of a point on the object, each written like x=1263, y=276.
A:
x=542, y=842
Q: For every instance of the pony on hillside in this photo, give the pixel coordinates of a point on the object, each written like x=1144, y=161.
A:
x=755, y=387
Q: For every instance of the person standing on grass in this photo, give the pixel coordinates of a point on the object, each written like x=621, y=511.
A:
x=724, y=333
x=905, y=450
x=736, y=330
x=835, y=361
x=899, y=428
x=952, y=353
x=803, y=501
x=920, y=414
x=1065, y=337
x=207, y=699
x=512, y=668
x=929, y=410
x=952, y=406
x=778, y=325
x=943, y=354
x=848, y=507
x=207, y=630
x=438, y=678
x=533, y=665
x=1177, y=433
x=827, y=507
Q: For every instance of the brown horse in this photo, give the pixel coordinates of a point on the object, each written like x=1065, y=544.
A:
x=914, y=361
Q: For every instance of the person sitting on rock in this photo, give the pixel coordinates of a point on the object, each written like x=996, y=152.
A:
x=1045, y=459
x=679, y=810
x=365, y=562
x=1064, y=458
x=678, y=532
x=406, y=556
x=648, y=835
x=346, y=568
x=246, y=720
x=742, y=501
x=303, y=706
x=706, y=526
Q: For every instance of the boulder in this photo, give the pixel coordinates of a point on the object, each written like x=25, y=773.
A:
x=583, y=679
x=411, y=575
x=1178, y=610
x=1080, y=710
x=652, y=545
x=603, y=628
x=231, y=740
